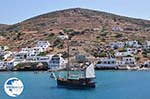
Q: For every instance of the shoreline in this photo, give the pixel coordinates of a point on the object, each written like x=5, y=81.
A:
x=97, y=69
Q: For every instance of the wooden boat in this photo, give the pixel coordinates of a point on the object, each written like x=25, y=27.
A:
x=86, y=81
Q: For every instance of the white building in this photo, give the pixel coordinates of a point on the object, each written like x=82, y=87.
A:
x=117, y=44
x=117, y=28
x=2, y=64
x=147, y=63
x=122, y=54
x=10, y=64
x=43, y=45
x=131, y=50
x=62, y=36
x=127, y=61
x=41, y=59
x=133, y=43
x=7, y=54
x=27, y=53
x=107, y=62
x=146, y=45
x=21, y=55
x=57, y=62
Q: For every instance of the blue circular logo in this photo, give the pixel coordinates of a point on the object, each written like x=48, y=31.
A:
x=13, y=87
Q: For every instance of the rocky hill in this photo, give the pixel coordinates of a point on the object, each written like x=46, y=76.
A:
x=3, y=26
x=87, y=28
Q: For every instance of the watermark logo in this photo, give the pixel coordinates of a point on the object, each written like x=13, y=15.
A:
x=13, y=87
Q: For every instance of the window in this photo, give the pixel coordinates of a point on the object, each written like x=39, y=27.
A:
x=113, y=62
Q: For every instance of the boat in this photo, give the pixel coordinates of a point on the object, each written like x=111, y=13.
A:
x=78, y=81
x=86, y=79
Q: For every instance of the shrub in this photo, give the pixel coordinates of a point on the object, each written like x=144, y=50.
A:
x=137, y=58
x=42, y=54
x=56, y=42
x=118, y=35
x=103, y=54
x=65, y=54
x=51, y=35
x=67, y=30
x=103, y=40
x=104, y=34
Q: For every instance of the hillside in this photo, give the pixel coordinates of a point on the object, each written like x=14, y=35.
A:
x=87, y=27
x=3, y=26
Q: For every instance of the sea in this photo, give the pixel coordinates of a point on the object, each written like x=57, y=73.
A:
x=109, y=85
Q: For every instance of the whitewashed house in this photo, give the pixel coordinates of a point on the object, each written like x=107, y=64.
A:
x=3, y=48
x=62, y=36
x=131, y=50
x=7, y=54
x=117, y=44
x=10, y=65
x=133, y=43
x=56, y=62
x=2, y=64
x=43, y=45
x=41, y=59
x=117, y=28
x=130, y=61
x=107, y=62
x=21, y=55
x=37, y=50
x=146, y=45
x=27, y=53
x=122, y=54
x=147, y=63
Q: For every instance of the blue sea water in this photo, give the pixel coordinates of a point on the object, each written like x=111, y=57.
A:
x=109, y=85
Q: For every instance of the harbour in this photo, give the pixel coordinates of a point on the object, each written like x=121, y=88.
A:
x=109, y=84
x=74, y=50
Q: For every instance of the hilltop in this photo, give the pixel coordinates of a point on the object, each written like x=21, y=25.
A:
x=87, y=27
x=3, y=26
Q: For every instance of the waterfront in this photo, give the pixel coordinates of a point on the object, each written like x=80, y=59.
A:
x=110, y=85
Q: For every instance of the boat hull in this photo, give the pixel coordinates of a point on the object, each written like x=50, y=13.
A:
x=81, y=83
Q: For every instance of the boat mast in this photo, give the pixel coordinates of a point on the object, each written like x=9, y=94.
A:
x=68, y=57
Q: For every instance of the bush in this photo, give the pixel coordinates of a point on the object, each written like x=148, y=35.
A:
x=137, y=58
x=118, y=35
x=104, y=34
x=103, y=40
x=67, y=30
x=50, y=36
x=56, y=42
x=42, y=54
x=103, y=54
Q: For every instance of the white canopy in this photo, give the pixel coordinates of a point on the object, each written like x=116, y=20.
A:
x=90, y=72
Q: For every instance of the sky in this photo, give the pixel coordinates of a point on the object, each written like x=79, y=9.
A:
x=14, y=11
